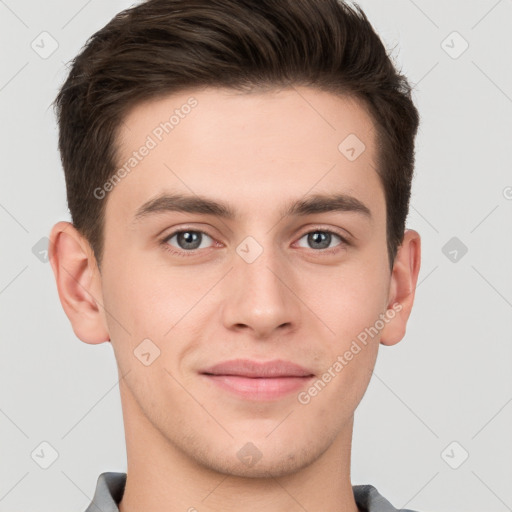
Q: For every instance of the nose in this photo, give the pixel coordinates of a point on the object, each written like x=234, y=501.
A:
x=260, y=297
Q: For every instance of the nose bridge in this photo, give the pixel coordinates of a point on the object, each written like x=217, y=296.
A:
x=257, y=297
x=260, y=279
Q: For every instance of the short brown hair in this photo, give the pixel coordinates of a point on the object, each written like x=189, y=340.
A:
x=164, y=46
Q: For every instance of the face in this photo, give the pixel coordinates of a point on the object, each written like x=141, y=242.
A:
x=274, y=252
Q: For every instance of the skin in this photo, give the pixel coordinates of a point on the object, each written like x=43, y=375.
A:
x=258, y=152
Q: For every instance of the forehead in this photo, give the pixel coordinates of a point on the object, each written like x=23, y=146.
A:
x=267, y=147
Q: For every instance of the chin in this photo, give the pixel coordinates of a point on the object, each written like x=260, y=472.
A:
x=250, y=460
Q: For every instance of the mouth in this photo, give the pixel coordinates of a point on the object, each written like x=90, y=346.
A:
x=253, y=380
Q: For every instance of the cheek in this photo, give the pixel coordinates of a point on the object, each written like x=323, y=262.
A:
x=153, y=302
x=150, y=296
x=350, y=299
x=352, y=304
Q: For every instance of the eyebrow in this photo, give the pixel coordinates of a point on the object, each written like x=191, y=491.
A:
x=317, y=203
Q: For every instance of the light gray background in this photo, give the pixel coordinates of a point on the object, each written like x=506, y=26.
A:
x=448, y=380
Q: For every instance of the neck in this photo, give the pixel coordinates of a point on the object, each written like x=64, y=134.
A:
x=162, y=478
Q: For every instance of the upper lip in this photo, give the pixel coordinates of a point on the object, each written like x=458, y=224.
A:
x=249, y=368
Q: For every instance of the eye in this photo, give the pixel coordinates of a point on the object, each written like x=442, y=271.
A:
x=320, y=239
x=188, y=240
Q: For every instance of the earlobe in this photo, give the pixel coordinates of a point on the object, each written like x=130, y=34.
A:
x=78, y=282
x=402, y=287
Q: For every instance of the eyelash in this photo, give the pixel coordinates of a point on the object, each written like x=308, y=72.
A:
x=332, y=250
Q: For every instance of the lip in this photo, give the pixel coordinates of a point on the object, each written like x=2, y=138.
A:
x=255, y=380
x=256, y=369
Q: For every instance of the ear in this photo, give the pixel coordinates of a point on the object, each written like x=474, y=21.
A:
x=78, y=282
x=402, y=287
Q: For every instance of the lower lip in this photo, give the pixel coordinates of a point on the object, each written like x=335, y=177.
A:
x=259, y=388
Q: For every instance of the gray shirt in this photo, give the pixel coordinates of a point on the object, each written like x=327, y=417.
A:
x=110, y=488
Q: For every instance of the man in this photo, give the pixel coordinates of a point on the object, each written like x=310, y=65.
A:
x=238, y=175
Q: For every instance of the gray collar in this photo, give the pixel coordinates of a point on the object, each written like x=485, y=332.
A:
x=110, y=489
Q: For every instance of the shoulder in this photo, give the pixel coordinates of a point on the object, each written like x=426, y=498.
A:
x=368, y=499
x=108, y=493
